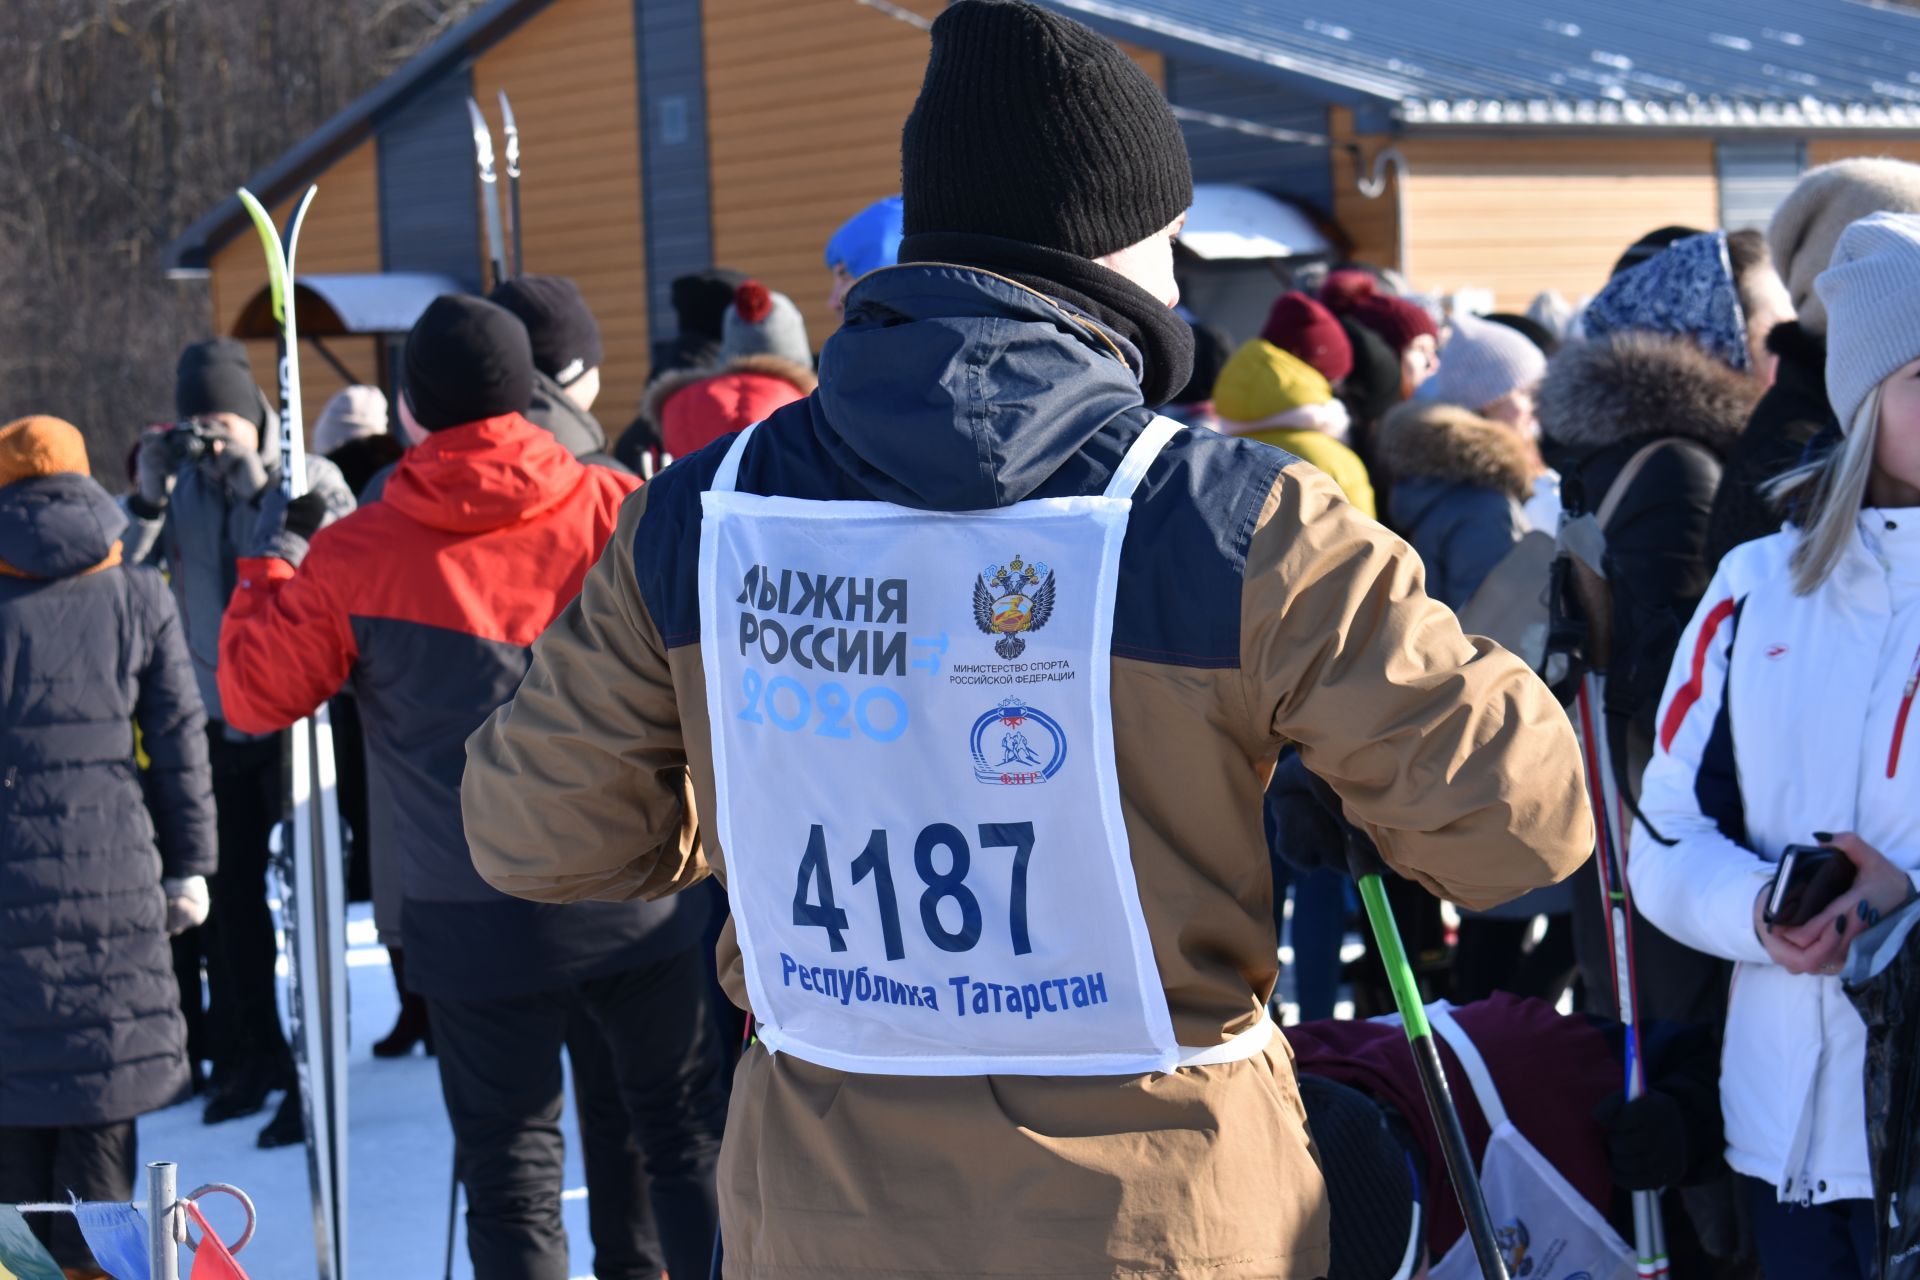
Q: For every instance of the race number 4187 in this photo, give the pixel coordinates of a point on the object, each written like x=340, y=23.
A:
x=814, y=905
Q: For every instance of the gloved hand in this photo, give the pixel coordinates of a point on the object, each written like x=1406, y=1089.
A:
x=239, y=467
x=285, y=527
x=1646, y=1140
x=187, y=902
x=1307, y=826
x=153, y=471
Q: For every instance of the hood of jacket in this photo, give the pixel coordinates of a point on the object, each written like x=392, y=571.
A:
x=554, y=411
x=482, y=475
x=770, y=367
x=1630, y=385
x=1443, y=443
x=58, y=526
x=949, y=388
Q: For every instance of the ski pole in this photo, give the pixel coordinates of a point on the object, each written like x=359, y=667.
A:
x=1433, y=1077
x=511, y=128
x=489, y=192
x=453, y=1210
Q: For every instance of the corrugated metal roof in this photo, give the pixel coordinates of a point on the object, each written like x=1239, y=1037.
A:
x=1789, y=64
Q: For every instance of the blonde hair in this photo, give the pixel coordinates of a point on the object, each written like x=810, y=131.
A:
x=1828, y=494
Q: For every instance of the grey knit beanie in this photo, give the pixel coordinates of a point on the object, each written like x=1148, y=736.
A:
x=1483, y=362
x=1872, y=298
x=1826, y=201
x=354, y=413
x=764, y=323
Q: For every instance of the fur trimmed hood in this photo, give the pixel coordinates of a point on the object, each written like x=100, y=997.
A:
x=1456, y=446
x=1629, y=385
x=669, y=385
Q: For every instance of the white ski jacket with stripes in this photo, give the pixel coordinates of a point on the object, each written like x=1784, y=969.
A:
x=1784, y=715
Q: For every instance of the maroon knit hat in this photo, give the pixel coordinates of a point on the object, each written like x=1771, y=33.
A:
x=1302, y=327
x=1344, y=290
x=1396, y=320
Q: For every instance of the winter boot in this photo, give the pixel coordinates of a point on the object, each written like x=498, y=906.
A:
x=288, y=1126
x=410, y=1028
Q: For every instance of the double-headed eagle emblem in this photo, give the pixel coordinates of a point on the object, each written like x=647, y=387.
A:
x=1010, y=599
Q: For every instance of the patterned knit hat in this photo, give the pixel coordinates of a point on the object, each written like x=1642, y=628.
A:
x=1483, y=362
x=1684, y=291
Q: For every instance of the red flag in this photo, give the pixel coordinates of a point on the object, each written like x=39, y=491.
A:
x=212, y=1261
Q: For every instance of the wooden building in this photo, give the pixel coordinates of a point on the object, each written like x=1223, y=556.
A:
x=1517, y=145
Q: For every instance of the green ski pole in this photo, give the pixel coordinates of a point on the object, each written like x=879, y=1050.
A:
x=1433, y=1077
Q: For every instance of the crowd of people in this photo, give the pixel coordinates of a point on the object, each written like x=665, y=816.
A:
x=575, y=697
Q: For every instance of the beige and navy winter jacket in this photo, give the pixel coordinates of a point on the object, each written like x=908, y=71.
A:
x=1254, y=607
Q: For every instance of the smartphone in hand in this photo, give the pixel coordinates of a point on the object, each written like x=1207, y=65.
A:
x=1806, y=882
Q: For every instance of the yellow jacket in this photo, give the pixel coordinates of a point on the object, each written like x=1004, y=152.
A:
x=1340, y=463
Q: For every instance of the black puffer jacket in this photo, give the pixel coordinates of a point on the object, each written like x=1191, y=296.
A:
x=90, y=1025
x=1794, y=410
x=1601, y=402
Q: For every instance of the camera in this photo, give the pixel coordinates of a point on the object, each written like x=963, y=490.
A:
x=193, y=438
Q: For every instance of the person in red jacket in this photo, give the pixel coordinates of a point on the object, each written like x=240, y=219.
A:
x=427, y=603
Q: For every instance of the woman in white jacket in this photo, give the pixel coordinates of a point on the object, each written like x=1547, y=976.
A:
x=1784, y=722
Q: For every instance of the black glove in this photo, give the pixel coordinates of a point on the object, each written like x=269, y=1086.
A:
x=1646, y=1140
x=305, y=515
x=1307, y=826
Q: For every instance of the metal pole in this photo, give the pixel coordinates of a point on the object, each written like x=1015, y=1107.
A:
x=1433, y=1078
x=163, y=1217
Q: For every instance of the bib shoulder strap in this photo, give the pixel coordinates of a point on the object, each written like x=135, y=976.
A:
x=1471, y=1062
x=728, y=475
x=1146, y=447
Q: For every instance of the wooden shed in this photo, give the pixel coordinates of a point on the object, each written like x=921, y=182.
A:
x=1496, y=144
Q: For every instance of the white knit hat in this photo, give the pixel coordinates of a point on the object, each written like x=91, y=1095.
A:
x=1872, y=297
x=352, y=414
x=1482, y=362
x=1825, y=202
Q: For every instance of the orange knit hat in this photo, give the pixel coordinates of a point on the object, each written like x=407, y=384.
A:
x=41, y=446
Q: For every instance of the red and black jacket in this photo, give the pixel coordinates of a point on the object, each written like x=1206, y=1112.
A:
x=425, y=605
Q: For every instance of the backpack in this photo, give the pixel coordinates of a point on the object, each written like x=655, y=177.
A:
x=1546, y=601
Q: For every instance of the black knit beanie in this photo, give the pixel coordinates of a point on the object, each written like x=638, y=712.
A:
x=560, y=325
x=467, y=359
x=1032, y=127
x=701, y=300
x=215, y=377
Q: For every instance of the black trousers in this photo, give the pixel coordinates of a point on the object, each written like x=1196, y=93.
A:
x=500, y=1074
x=94, y=1162
x=626, y=1244
x=243, y=1021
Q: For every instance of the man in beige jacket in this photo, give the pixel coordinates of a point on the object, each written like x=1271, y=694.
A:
x=965, y=674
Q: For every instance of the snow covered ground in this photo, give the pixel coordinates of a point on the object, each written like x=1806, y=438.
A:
x=399, y=1163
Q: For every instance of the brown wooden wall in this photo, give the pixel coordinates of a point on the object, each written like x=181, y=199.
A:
x=570, y=72
x=1827, y=150
x=1519, y=215
x=1373, y=225
x=805, y=101
x=341, y=235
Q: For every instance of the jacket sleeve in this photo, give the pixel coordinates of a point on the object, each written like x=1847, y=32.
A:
x=141, y=542
x=286, y=642
x=1483, y=530
x=1445, y=749
x=173, y=730
x=578, y=787
x=1656, y=572
x=1690, y=874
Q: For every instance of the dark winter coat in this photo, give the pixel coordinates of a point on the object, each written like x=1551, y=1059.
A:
x=90, y=1024
x=1793, y=411
x=578, y=431
x=1600, y=403
x=1458, y=482
x=424, y=604
x=363, y=458
x=202, y=534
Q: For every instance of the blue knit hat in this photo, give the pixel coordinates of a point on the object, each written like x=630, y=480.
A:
x=869, y=240
x=1685, y=291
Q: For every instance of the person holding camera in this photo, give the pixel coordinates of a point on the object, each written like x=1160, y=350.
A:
x=201, y=485
x=1784, y=723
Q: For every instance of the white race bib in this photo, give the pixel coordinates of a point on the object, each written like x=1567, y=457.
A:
x=913, y=750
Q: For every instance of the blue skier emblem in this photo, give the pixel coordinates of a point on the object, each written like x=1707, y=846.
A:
x=1015, y=745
